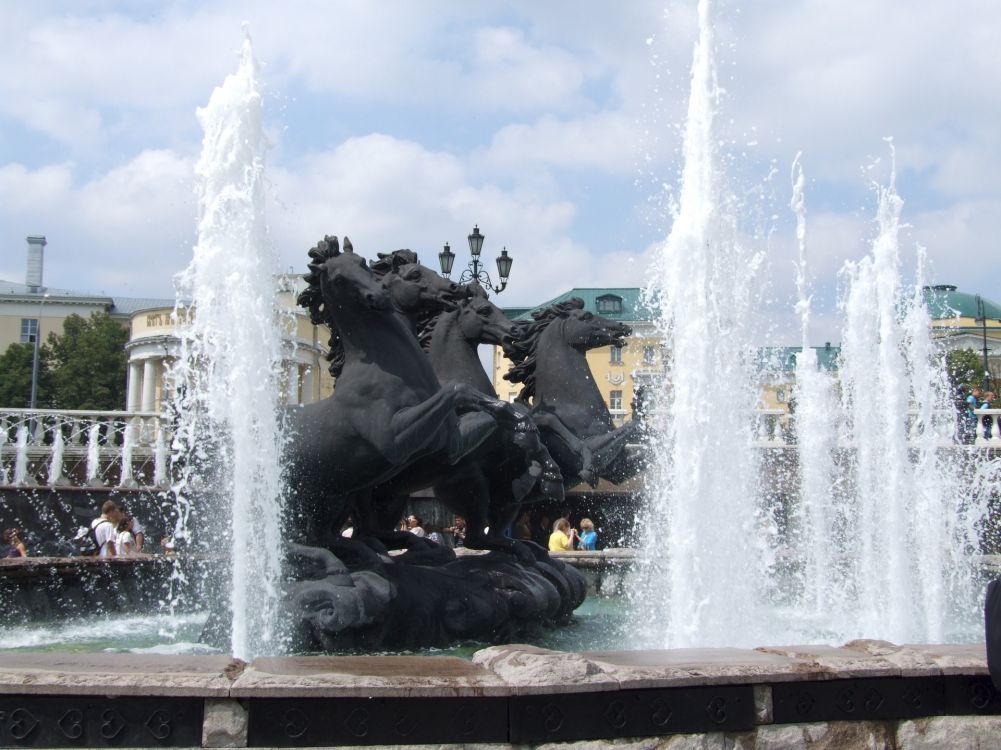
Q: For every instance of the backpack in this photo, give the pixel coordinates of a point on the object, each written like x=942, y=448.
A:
x=86, y=540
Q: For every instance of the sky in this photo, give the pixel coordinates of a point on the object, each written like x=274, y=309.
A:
x=555, y=127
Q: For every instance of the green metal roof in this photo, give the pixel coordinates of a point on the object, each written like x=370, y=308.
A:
x=631, y=297
x=945, y=301
x=783, y=358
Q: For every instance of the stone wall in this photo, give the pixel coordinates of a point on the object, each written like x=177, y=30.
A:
x=866, y=694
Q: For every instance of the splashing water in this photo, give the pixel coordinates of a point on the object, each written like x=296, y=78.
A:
x=879, y=528
x=228, y=442
x=700, y=537
x=907, y=530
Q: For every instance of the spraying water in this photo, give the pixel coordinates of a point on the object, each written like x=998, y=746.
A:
x=228, y=442
x=813, y=516
x=907, y=530
x=878, y=535
x=703, y=564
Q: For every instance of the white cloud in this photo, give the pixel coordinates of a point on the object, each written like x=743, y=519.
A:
x=608, y=141
x=533, y=92
x=125, y=232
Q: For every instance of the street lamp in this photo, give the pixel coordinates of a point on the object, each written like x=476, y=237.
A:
x=34, y=358
x=475, y=271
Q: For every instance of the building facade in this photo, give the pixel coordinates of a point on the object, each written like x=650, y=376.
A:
x=32, y=309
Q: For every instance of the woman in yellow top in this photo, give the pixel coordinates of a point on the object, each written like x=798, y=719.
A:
x=561, y=540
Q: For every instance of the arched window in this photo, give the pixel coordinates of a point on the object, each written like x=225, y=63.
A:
x=609, y=303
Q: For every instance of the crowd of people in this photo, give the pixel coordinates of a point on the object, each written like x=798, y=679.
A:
x=116, y=533
x=969, y=420
x=556, y=536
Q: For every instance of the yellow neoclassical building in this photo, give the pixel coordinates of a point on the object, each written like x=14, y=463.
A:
x=618, y=371
x=154, y=343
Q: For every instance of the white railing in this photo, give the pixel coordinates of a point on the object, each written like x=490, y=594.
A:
x=989, y=435
x=83, y=448
x=775, y=428
x=131, y=449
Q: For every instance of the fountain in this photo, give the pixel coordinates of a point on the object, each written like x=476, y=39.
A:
x=721, y=562
x=226, y=376
x=878, y=538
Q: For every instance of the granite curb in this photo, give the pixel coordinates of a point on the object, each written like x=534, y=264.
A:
x=496, y=671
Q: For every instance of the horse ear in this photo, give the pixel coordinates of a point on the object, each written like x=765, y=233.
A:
x=348, y=247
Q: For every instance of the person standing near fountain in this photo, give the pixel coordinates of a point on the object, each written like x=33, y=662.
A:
x=561, y=540
x=15, y=547
x=104, y=529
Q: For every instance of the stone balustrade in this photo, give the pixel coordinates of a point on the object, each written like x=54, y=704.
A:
x=76, y=448
x=131, y=448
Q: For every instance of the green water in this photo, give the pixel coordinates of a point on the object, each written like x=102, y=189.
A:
x=597, y=625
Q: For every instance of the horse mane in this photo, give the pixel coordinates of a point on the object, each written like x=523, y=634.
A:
x=526, y=340
x=312, y=297
x=429, y=317
x=389, y=262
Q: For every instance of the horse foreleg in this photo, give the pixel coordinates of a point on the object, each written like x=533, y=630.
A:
x=416, y=428
x=609, y=449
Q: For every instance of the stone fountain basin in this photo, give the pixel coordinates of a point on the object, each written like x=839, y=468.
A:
x=865, y=692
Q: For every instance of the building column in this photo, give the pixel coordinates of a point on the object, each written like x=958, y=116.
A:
x=308, y=386
x=149, y=384
x=292, y=383
x=135, y=377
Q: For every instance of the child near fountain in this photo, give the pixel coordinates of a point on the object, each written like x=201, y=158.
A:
x=125, y=543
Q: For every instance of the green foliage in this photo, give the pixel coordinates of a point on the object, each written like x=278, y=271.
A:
x=89, y=363
x=15, y=377
x=965, y=367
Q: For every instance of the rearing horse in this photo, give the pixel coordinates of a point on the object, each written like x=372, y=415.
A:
x=576, y=426
x=388, y=410
x=511, y=467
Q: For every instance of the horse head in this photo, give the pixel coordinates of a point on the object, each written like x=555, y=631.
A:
x=337, y=281
x=584, y=330
x=480, y=320
x=415, y=288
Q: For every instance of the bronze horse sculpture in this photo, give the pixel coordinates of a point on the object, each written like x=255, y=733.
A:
x=390, y=426
x=388, y=410
x=549, y=354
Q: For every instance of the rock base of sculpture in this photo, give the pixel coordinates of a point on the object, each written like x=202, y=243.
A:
x=358, y=597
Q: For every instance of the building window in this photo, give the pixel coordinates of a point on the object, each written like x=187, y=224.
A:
x=615, y=400
x=780, y=395
x=29, y=329
x=649, y=354
x=616, y=355
x=609, y=303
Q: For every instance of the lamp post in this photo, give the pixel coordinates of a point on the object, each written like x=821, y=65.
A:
x=982, y=320
x=34, y=357
x=475, y=271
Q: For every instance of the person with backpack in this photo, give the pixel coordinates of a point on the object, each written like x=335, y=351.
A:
x=104, y=529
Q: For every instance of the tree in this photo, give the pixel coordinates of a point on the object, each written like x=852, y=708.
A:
x=15, y=377
x=965, y=367
x=89, y=363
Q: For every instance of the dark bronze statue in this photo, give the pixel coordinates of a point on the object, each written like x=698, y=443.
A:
x=575, y=423
x=413, y=408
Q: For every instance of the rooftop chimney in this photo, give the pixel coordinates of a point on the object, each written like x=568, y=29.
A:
x=36, y=257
